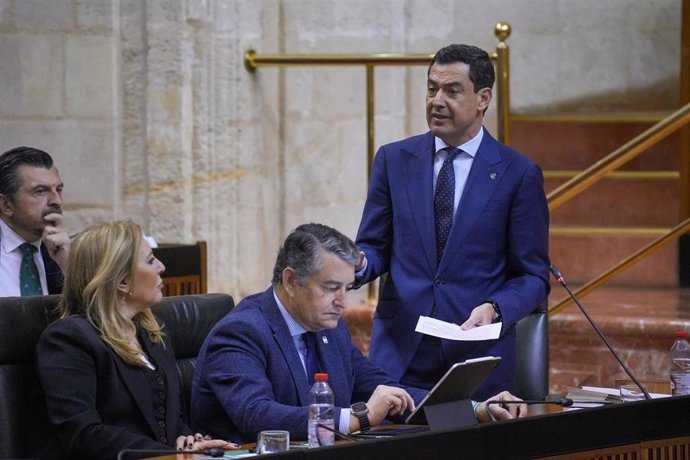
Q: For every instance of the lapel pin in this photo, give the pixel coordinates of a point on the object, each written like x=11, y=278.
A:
x=324, y=339
x=492, y=176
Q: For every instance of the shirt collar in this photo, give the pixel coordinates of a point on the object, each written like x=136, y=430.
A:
x=10, y=241
x=470, y=147
x=294, y=328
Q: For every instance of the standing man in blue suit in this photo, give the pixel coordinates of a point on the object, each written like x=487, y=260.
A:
x=33, y=243
x=253, y=371
x=459, y=222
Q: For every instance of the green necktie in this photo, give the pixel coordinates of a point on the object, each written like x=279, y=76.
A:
x=29, y=281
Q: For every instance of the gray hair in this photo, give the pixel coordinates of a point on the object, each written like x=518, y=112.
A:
x=301, y=251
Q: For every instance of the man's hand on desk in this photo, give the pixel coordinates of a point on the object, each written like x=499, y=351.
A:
x=385, y=401
x=500, y=411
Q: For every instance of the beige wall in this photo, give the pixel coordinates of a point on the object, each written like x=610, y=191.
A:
x=150, y=113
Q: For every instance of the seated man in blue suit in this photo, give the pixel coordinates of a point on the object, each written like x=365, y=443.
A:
x=251, y=372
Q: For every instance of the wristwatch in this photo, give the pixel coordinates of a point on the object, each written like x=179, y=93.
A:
x=497, y=311
x=360, y=410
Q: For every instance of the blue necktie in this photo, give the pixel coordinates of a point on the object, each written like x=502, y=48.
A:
x=29, y=282
x=444, y=198
x=312, y=359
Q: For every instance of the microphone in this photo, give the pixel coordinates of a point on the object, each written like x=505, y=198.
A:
x=214, y=452
x=565, y=402
x=561, y=280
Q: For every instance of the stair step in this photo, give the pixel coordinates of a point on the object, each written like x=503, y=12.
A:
x=577, y=144
x=628, y=203
x=583, y=257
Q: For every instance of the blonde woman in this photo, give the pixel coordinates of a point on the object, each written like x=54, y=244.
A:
x=107, y=372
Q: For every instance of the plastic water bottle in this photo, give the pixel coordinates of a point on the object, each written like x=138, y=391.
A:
x=321, y=412
x=680, y=365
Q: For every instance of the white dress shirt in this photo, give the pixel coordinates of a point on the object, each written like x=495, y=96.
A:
x=11, y=261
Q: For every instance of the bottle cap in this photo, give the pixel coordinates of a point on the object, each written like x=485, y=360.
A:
x=682, y=335
x=322, y=377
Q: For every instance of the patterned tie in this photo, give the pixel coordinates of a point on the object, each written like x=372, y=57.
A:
x=29, y=282
x=444, y=198
x=311, y=360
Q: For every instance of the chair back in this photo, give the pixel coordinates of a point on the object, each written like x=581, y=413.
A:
x=185, y=268
x=24, y=424
x=532, y=355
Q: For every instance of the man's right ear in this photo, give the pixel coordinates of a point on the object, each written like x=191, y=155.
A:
x=288, y=280
x=6, y=205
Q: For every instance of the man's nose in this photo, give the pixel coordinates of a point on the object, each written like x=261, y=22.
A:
x=55, y=198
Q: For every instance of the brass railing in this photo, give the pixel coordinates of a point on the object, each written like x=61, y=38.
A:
x=604, y=167
x=618, y=157
x=602, y=279
x=502, y=30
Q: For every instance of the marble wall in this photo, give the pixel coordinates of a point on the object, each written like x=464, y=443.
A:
x=150, y=113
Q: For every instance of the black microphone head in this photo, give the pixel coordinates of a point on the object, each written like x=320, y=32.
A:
x=558, y=275
x=216, y=452
x=565, y=402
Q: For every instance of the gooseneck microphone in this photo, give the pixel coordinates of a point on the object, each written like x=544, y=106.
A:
x=561, y=280
x=125, y=454
x=565, y=402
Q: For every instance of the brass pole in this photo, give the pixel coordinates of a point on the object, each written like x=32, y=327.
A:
x=618, y=157
x=372, y=287
x=502, y=59
x=602, y=279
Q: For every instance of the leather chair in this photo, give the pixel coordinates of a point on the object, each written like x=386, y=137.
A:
x=532, y=355
x=23, y=416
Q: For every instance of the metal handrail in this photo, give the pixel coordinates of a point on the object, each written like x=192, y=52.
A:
x=602, y=279
x=618, y=157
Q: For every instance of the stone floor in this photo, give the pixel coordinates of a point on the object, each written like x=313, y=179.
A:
x=639, y=324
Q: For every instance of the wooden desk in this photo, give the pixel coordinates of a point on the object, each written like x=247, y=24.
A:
x=654, y=429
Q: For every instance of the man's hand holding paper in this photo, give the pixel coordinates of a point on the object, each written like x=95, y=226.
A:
x=445, y=330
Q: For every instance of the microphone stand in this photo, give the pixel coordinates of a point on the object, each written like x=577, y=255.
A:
x=561, y=280
x=565, y=402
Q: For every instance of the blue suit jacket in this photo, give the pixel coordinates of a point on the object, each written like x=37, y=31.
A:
x=497, y=250
x=249, y=376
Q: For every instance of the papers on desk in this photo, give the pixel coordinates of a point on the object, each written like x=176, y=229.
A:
x=588, y=396
x=444, y=330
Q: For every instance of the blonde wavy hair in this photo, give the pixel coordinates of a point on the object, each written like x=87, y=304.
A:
x=101, y=257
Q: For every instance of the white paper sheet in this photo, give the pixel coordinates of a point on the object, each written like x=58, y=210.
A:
x=444, y=330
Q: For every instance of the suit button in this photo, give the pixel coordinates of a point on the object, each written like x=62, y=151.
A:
x=160, y=381
x=161, y=424
x=164, y=440
x=438, y=283
x=161, y=409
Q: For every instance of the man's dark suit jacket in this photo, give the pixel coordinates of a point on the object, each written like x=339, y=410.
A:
x=54, y=275
x=249, y=376
x=497, y=250
x=98, y=403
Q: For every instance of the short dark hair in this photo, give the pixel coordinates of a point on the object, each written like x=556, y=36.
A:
x=301, y=251
x=482, y=73
x=10, y=161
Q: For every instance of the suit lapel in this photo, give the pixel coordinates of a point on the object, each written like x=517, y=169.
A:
x=283, y=339
x=485, y=174
x=418, y=167
x=135, y=381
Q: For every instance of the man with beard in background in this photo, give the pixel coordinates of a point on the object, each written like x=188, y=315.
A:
x=33, y=245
